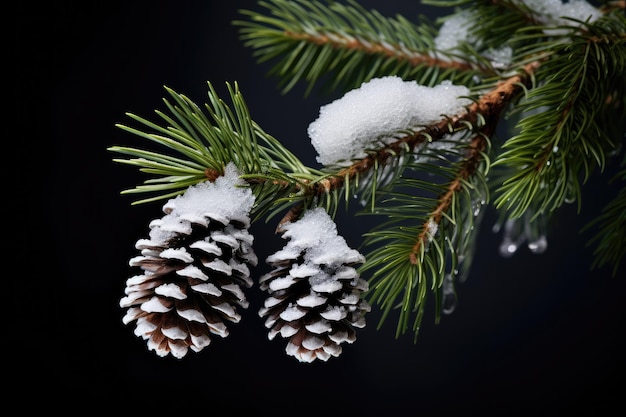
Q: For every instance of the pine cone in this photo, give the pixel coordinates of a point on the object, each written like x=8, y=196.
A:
x=194, y=264
x=314, y=290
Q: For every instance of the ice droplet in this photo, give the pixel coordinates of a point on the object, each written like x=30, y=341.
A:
x=508, y=248
x=449, y=297
x=539, y=245
x=477, y=205
x=512, y=238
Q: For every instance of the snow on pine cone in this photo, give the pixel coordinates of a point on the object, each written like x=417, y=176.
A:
x=194, y=265
x=314, y=289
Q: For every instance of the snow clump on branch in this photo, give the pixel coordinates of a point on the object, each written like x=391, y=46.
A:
x=373, y=115
x=556, y=12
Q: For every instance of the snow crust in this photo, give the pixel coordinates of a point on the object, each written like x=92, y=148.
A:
x=554, y=12
x=371, y=115
x=315, y=234
x=225, y=198
x=456, y=28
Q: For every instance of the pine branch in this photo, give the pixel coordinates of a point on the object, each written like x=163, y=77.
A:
x=408, y=256
x=206, y=144
x=561, y=140
x=343, y=46
x=561, y=77
x=610, y=236
x=411, y=258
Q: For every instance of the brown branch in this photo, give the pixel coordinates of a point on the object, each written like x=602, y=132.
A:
x=612, y=5
x=373, y=48
x=489, y=106
x=468, y=168
x=212, y=174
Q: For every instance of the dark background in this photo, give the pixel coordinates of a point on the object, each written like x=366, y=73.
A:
x=532, y=334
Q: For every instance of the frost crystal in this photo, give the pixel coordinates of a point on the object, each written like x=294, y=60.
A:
x=378, y=110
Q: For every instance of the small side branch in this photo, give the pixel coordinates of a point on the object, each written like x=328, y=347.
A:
x=489, y=107
x=373, y=48
x=468, y=168
x=483, y=113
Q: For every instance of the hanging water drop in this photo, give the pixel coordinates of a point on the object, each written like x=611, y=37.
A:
x=508, y=248
x=513, y=237
x=535, y=232
x=539, y=245
x=477, y=206
x=449, y=296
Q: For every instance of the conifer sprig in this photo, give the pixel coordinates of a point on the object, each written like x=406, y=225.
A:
x=562, y=139
x=565, y=85
x=199, y=145
x=341, y=46
x=609, y=238
x=429, y=230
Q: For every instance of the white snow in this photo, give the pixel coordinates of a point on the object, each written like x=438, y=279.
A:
x=453, y=31
x=319, y=327
x=192, y=271
x=373, y=114
x=177, y=253
x=170, y=290
x=554, y=12
x=324, y=283
x=312, y=342
x=316, y=234
x=192, y=314
x=199, y=342
x=431, y=229
x=334, y=313
x=208, y=247
x=281, y=283
x=456, y=29
x=228, y=310
x=219, y=265
x=311, y=300
x=175, y=333
x=292, y=312
x=154, y=305
x=207, y=288
x=226, y=198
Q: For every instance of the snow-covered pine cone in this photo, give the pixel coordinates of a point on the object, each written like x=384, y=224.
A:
x=194, y=265
x=314, y=290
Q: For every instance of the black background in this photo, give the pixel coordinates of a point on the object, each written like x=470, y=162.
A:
x=533, y=333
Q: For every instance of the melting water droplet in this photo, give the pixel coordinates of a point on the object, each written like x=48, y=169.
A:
x=477, y=206
x=513, y=237
x=536, y=234
x=539, y=245
x=508, y=248
x=449, y=296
